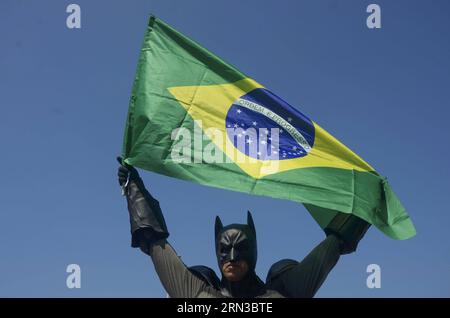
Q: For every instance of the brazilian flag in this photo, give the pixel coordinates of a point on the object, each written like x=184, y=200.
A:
x=195, y=117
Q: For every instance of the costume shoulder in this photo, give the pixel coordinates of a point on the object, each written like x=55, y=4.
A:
x=206, y=274
x=280, y=267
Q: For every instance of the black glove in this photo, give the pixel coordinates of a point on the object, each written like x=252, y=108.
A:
x=349, y=228
x=146, y=218
x=127, y=173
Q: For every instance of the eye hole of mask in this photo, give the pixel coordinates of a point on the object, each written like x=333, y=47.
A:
x=225, y=248
x=242, y=245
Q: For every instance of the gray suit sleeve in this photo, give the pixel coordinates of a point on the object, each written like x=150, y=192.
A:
x=176, y=278
x=305, y=278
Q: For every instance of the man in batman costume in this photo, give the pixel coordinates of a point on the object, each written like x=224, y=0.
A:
x=236, y=252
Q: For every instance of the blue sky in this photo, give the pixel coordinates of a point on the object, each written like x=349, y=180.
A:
x=64, y=97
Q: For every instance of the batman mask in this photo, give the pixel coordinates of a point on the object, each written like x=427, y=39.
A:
x=236, y=242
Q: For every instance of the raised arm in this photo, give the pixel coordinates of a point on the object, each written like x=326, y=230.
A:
x=303, y=279
x=149, y=233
